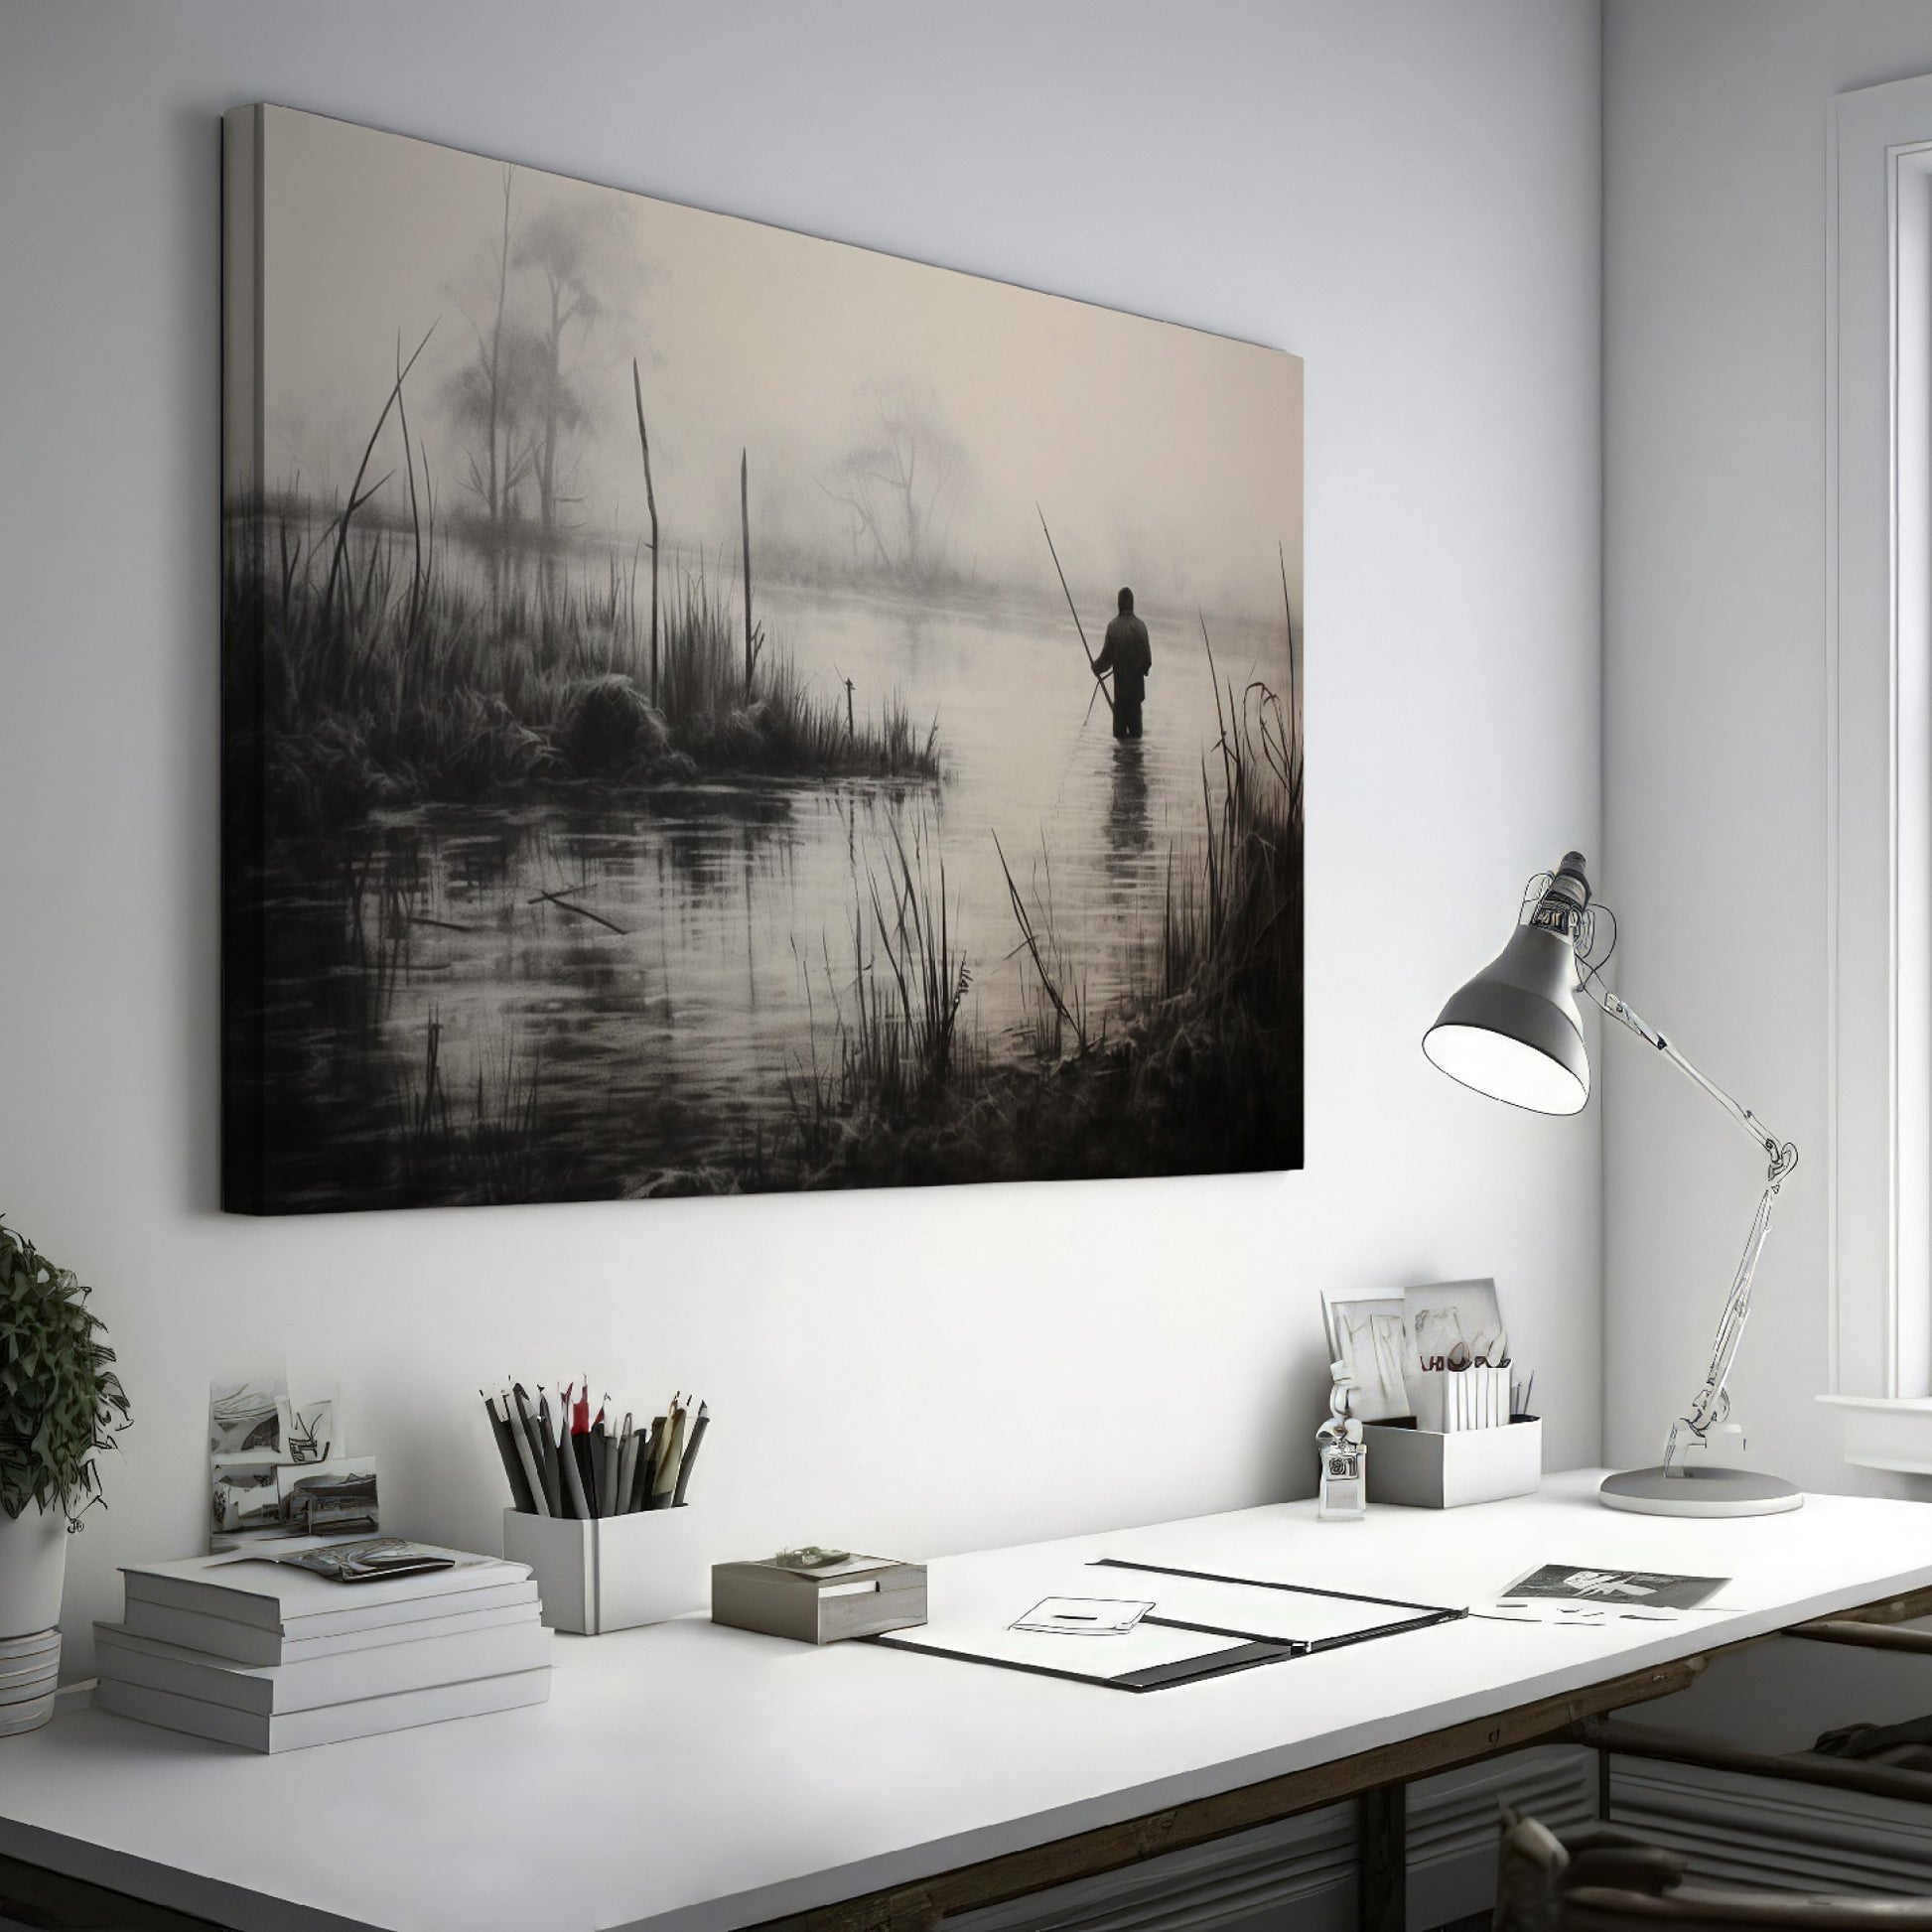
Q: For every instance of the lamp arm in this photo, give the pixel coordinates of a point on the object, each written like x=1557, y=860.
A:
x=1712, y=1403
x=1780, y=1154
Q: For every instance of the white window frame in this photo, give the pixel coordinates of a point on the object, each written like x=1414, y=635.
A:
x=1878, y=621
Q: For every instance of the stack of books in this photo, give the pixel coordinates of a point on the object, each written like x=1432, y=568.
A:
x=263, y=1653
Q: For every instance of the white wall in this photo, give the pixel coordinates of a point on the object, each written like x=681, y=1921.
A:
x=1716, y=141
x=1405, y=193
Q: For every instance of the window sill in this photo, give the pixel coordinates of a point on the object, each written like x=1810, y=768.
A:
x=1887, y=1432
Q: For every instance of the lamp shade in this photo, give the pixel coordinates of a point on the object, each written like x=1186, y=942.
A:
x=1513, y=1032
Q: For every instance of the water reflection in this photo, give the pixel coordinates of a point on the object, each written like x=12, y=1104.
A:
x=1128, y=836
x=653, y=979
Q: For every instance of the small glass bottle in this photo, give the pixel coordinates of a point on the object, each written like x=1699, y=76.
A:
x=1344, y=1456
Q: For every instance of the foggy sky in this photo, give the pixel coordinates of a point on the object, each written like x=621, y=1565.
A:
x=1164, y=457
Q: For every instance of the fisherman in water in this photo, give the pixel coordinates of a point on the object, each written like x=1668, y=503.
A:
x=1126, y=653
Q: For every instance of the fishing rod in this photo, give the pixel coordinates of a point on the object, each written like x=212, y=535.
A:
x=1099, y=681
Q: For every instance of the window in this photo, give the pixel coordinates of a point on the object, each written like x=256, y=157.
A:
x=1878, y=608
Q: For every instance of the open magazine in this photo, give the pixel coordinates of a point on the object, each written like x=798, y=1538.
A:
x=371, y=1559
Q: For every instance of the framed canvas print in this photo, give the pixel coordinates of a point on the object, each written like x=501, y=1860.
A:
x=707, y=709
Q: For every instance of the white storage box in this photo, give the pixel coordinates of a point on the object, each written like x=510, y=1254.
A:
x=1406, y=1464
x=612, y=1572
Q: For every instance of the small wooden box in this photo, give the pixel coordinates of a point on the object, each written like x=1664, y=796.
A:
x=1430, y=1470
x=612, y=1572
x=854, y=1599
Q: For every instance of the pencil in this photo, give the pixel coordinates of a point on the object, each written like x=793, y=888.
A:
x=698, y=1429
x=529, y=1451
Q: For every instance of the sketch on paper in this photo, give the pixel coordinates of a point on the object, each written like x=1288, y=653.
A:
x=244, y=1418
x=308, y=1429
x=1452, y=1325
x=1369, y=1337
x=708, y=709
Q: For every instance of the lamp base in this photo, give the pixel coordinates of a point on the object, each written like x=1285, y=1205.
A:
x=1715, y=1490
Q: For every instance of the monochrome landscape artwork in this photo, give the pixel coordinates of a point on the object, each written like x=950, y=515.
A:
x=710, y=710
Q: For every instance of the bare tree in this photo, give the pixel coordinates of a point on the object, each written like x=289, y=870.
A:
x=559, y=248
x=487, y=395
x=900, y=478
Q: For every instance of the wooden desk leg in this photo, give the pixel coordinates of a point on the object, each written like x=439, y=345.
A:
x=1382, y=1870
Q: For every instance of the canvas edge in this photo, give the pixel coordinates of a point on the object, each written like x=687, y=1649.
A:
x=243, y=158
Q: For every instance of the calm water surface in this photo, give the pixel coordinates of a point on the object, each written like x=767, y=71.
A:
x=673, y=1029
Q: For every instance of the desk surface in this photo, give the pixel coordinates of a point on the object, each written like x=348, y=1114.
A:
x=689, y=1777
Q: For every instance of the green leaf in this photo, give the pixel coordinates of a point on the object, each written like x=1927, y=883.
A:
x=61, y=1403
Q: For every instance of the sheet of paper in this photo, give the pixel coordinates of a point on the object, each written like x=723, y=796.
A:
x=1147, y=1646
x=1545, y=1610
x=1082, y=1616
x=976, y=1624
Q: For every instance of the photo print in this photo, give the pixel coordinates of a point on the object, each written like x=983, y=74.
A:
x=246, y=1497
x=1586, y=1596
x=332, y=1499
x=1636, y=1589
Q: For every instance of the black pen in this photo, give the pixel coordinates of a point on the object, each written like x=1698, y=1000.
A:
x=599, y=1480
x=582, y=1461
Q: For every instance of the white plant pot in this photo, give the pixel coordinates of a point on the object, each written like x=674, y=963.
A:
x=33, y=1568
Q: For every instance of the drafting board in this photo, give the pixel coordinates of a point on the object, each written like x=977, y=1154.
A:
x=1201, y=1625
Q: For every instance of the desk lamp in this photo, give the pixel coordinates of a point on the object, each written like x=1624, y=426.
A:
x=1514, y=1033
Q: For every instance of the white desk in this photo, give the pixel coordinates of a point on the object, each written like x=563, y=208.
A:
x=689, y=1777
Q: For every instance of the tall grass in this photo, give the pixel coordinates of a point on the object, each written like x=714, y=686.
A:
x=1225, y=921
x=1197, y=1070
x=902, y=1050
x=1200, y=1070
x=1219, y=1056
x=384, y=666
x=910, y=995
x=1058, y=1002
x=480, y=1145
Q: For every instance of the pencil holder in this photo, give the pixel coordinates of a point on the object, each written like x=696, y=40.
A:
x=1433, y=1469
x=612, y=1572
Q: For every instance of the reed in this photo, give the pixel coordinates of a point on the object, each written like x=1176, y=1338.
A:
x=480, y=1147
x=389, y=663
x=910, y=977
x=904, y=1054
x=1055, y=1012
x=1198, y=1071
x=423, y=683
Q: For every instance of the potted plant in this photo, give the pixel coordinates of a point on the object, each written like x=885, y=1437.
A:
x=60, y=1405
